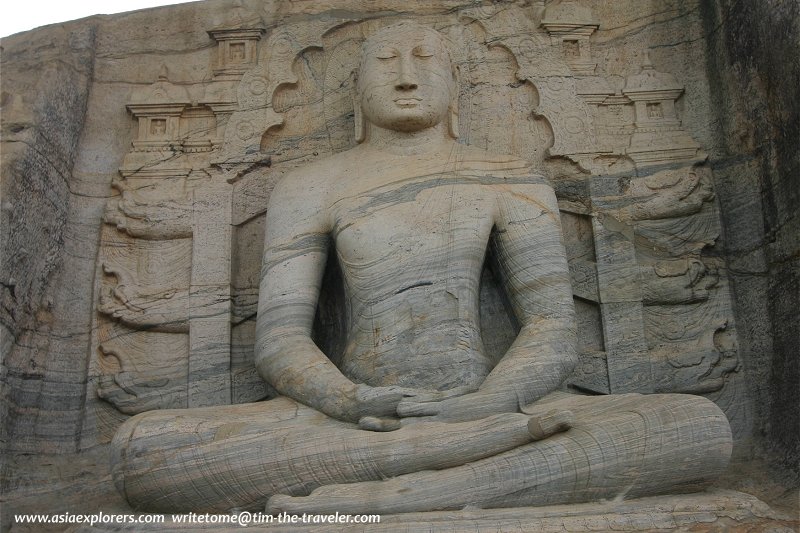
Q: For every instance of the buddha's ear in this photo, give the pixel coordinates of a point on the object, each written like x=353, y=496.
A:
x=358, y=116
x=452, y=115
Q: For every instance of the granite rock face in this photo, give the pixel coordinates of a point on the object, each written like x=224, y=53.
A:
x=140, y=152
x=415, y=415
x=754, y=69
x=43, y=119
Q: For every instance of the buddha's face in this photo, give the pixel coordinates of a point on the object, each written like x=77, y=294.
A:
x=406, y=80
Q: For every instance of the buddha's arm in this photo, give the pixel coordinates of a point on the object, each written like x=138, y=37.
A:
x=530, y=260
x=296, y=247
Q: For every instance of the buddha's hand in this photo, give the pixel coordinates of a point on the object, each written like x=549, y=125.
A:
x=460, y=408
x=375, y=408
x=379, y=401
x=379, y=405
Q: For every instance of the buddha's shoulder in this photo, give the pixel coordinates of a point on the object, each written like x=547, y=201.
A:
x=505, y=168
x=318, y=169
x=474, y=158
x=477, y=155
x=312, y=178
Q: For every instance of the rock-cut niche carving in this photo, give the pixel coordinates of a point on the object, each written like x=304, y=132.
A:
x=409, y=215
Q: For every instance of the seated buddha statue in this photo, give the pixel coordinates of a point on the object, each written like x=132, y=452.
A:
x=415, y=416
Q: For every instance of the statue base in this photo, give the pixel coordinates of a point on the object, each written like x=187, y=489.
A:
x=716, y=510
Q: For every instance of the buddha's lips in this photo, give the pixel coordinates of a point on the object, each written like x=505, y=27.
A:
x=407, y=101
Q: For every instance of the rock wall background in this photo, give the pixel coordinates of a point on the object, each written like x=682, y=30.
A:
x=754, y=73
x=66, y=132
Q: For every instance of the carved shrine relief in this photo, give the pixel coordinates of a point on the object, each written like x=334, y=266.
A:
x=140, y=372
x=237, y=51
x=570, y=25
x=255, y=115
x=637, y=201
x=141, y=335
x=163, y=292
x=145, y=284
x=237, y=43
x=158, y=110
x=540, y=60
x=658, y=136
x=652, y=301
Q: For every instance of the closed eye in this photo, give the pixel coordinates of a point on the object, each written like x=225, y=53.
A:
x=386, y=54
x=423, y=51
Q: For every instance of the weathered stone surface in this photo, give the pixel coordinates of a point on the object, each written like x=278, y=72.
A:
x=753, y=70
x=140, y=152
x=412, y=218
x=43, y=115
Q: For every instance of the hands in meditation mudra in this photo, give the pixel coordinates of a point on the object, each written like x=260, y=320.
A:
x=416, y=417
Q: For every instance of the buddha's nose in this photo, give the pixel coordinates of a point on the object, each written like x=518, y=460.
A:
x=406, y=75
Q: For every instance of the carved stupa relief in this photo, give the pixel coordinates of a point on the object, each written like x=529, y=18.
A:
x=636, y=197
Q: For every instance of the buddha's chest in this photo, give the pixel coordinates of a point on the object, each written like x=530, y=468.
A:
x=413, y=224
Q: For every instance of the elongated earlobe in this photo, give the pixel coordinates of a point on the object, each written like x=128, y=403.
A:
x=358, y=116
x=452, y=120
x=359, y=123
x=452, y=111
